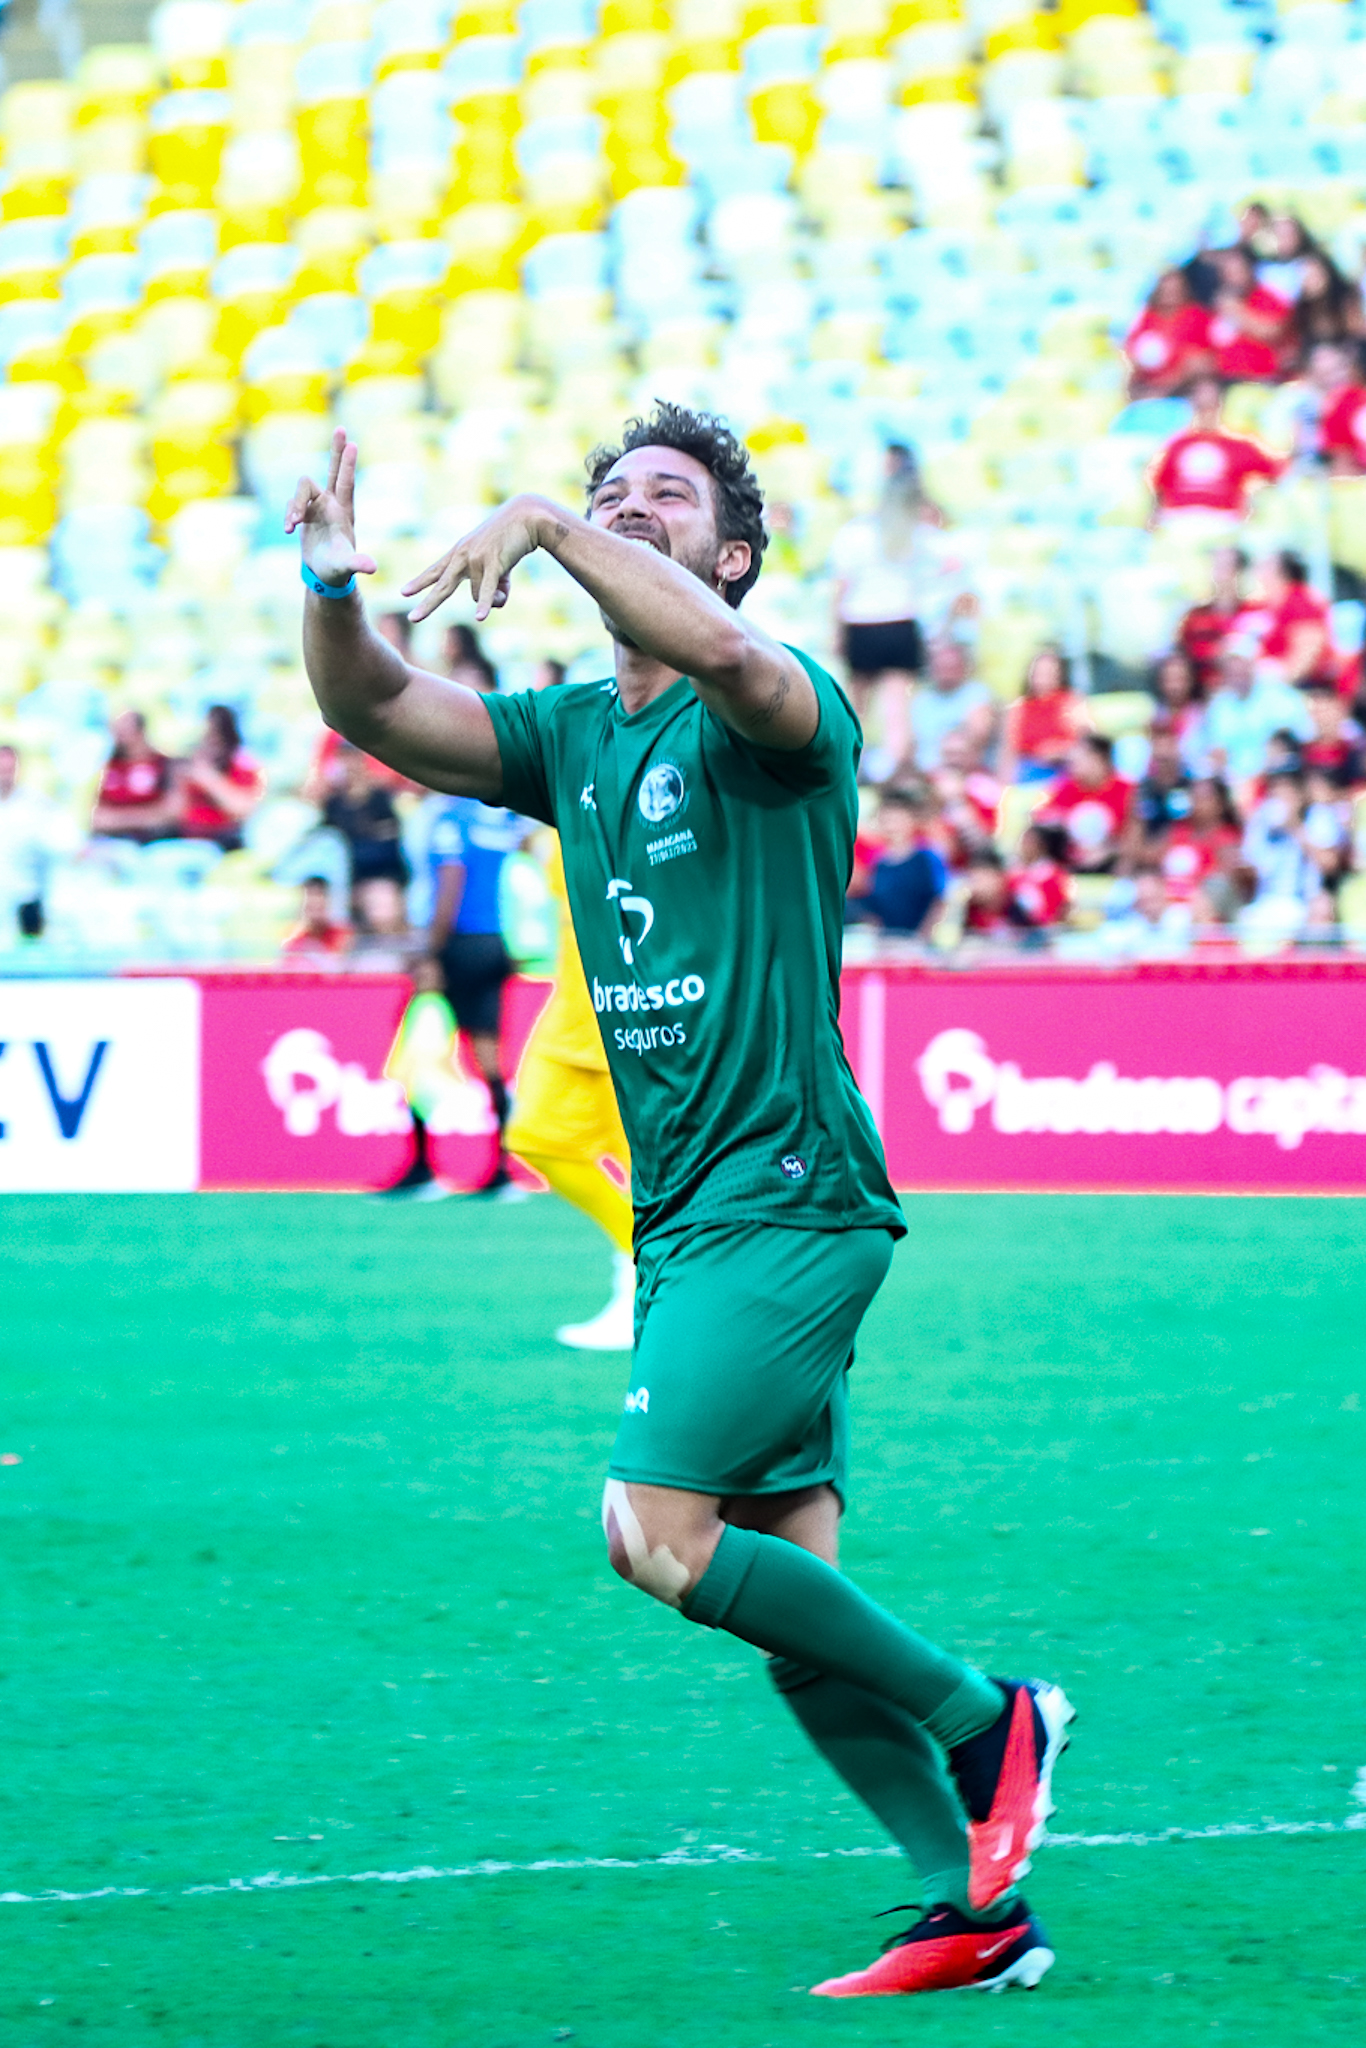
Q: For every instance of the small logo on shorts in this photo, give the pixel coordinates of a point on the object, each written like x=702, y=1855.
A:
x=638, y=1403
x=793, y=1165
x=661, y=792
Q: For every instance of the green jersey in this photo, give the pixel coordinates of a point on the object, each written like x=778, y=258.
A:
x=706, y=877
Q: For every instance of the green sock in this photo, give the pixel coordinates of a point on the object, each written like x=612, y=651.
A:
x=889, y=1763
x=782, y=1599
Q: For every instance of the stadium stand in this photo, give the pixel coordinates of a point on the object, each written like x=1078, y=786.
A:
x=478, y=233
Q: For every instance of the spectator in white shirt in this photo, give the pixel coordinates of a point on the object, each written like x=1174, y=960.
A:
x=896, y=578
x=1282, y=853
x=1245, y=710
x=1142, y=922
x=952, y=697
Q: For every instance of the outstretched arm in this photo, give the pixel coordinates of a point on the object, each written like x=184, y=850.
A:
x=434, y=731
x=670, y=614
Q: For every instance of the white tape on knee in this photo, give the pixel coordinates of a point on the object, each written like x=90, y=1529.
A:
x=657, y=1572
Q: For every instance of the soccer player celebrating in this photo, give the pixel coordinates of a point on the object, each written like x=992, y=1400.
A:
x=706, y=802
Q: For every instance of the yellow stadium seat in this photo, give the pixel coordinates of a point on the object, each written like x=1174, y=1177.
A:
x=28, y=466
x=31, y=259
x=36, y=125
x=106, y=214
x=403, y=283
x=191, y=427
x=178, y=249
x=1117, y=712
x=258, y=184
x=187, y=132
x=103, y=462
x=1347, y=522
x=101, y=295
x=333, y=123
x=331, y=242
x=177, y=333
x=116, y=80
x=485, y=240
x=252, y=285
x=118, y=374
x=191, y=39
x=930, y=42
x=1224, y=70
x=261, y=67
x=409, y=36
x=1351, y=903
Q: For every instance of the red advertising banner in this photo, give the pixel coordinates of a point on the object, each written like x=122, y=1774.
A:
x=1203, y=1076
x=293, y=1088
x=1227, y=1077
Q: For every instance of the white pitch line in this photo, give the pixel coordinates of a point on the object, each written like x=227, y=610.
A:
x=673, y=1859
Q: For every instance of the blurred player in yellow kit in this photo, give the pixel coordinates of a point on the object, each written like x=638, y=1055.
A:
x=565, y=1123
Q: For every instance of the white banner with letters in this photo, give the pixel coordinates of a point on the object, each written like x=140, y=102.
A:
x=99, y=1085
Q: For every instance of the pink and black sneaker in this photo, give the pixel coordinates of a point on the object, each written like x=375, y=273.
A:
x=945, y=1951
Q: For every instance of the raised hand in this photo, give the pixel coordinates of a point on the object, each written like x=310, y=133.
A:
x=325, y=520
x=485, y=559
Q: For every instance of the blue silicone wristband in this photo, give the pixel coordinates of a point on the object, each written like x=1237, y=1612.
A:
x=316, y=584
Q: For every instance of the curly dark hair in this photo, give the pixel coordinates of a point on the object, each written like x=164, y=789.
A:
x=735, y=488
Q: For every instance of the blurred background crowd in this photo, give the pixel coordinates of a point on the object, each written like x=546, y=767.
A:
x=1044, y=325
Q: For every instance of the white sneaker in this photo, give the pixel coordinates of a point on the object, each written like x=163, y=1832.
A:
x=614, y=1328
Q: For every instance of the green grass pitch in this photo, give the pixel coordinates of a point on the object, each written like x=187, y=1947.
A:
x=301, y=1572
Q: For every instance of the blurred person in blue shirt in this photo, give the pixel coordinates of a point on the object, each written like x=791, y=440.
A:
x=911, y=875
x=465, y=957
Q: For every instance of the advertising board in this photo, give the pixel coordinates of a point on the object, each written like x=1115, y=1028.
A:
x=99, y=1085
x=1246, y=1079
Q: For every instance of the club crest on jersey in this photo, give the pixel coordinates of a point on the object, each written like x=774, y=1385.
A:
x=662, y=790
x=793, y=1165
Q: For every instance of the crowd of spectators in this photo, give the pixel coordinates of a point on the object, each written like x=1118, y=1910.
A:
x=145, y=795
x=1225, y=801
x=1222, y=799
x=1273, y=308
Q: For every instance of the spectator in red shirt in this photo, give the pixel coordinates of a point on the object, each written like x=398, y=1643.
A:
x=1169, y=342
x=1203, y=628
x=1341, y=439
x=969, y=796
x=1336, y=749
x=1039, y=885
x=1205, y=468
x=988, y=909
x=220, y=785
x=1291, y=621
x=1092, y=804
x=316, y=936
x=1041, y=724
x=136, y=796
x=1327, y=308
x=1250, y=330
x=1199, y=852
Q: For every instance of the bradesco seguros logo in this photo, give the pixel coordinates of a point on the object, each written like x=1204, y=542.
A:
x=961, y=1080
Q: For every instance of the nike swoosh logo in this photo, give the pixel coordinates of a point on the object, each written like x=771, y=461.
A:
x=984, y=1955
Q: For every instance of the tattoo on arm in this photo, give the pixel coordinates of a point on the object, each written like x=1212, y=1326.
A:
x=772, y=705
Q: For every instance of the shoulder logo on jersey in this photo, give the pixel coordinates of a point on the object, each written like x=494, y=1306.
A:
x=587, y=800
x=631, y=906
x=793, y=1165
x=637, y=1402
x=662, y=790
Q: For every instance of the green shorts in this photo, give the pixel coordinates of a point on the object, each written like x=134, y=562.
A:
x=744, y=1340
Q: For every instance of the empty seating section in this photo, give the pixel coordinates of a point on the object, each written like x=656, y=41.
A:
x=478, y=233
